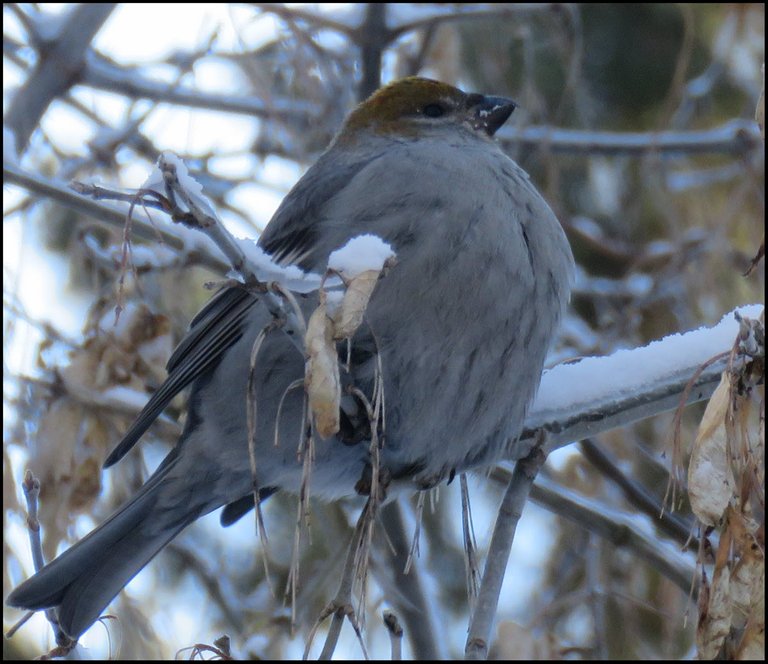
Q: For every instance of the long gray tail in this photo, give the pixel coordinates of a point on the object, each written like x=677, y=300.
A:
x=83, y=580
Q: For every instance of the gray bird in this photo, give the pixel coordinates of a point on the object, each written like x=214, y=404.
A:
x=460, y=326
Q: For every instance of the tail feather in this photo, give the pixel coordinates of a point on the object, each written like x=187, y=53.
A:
x=86, y=578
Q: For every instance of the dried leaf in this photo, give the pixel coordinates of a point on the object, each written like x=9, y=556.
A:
x=710, y=479
x=66, y=458
x=349, y=315
x=747, y=582
x=321, y=376
x=752, y=645
x=715, y=608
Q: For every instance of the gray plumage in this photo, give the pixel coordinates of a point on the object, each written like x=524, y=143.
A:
x=462, y=324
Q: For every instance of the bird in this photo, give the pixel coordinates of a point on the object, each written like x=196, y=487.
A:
x=457, y=333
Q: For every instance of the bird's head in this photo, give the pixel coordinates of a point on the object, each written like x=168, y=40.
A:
x=413, y=106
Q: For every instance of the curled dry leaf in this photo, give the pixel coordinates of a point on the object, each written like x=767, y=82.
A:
x=349, y=314
x=715, y=605
x=67, y=455
x=748, y=584
x=752, y=646
x=748, y=581
x=710, y=479
x=321, y=374
x=715, y=613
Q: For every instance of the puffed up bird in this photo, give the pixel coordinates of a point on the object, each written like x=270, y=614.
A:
x=459, y=327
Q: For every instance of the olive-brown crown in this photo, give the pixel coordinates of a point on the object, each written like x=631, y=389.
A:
x=409, y=105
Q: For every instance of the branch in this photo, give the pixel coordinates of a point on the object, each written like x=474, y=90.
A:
x=408, y=18
x=409, y=595
x=103, y=75
x=619, y=404
x=510, y=511
x=316, y=18
x=373, y=38
x=194, y=247
x=736, y=137
x=615, y=526
x=59, y=67
x=597, y=394
x=673, y=525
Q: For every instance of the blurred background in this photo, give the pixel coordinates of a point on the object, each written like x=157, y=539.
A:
x=636, y=122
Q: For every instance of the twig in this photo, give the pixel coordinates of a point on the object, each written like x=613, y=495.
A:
x=676, y=475
x=673, y=525
x=31, y=489
x=252, y=401
x=341, y=605
x=103, y=75
x=478, y=639
x=413, y=552
x=472, y=569
x=613, y=525
x=735, y=137
x=395, y=631
x=408, y=595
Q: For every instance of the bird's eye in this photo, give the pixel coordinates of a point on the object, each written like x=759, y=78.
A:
x=433, y=110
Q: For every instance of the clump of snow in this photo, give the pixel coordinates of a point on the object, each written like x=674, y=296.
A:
x=156, y=182
x=188, y=184
x=360, y=254
x=264, y=263
x=266, y=270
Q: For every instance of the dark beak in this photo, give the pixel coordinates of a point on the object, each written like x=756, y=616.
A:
x=489, y=113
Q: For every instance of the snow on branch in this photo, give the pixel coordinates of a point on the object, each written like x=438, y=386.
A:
x=596, y=394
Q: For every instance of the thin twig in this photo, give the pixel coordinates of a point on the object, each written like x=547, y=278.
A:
x=395, y=631
x=31, y=489
x=638, y=496
x=472, y=569
x=252, y=400
x=483, y=617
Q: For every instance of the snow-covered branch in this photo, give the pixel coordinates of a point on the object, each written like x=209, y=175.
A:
x=597, y=394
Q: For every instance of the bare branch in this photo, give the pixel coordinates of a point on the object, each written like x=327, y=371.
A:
x=103, y=75
x=408, y=592
x=315, y=18
x=373, y=38
x=404, y=21
x=736, y=137
x=613, y=525
x=113, y=216
x=57, y=69
x=510, y=510
x=675, y=526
